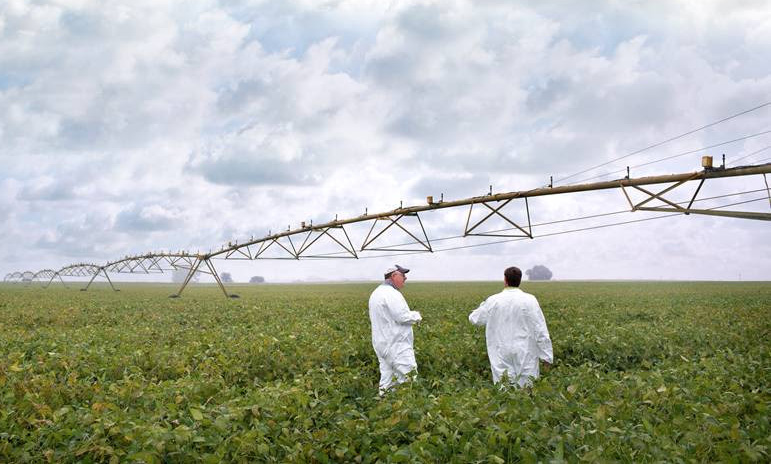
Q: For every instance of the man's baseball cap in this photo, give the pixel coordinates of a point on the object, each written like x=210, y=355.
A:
x=396, y=268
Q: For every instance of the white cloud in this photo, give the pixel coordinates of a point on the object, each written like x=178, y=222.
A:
x=149, y=218
x=200, y=122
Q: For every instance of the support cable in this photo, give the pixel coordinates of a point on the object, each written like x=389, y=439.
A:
x=671, y=139
x=764, y=160
x=666, y=158
x=733, y=162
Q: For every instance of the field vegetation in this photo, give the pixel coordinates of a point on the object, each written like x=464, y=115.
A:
x=644, y=372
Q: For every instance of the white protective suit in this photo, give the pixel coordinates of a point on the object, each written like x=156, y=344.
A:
x=516, y=332
x=392, y=321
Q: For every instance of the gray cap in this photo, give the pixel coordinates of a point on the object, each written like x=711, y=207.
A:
x=396, y=268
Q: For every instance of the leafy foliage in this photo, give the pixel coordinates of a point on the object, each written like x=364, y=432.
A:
x=643, y=372
x=539, y=272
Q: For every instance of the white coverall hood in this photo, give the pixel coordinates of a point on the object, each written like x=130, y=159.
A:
x=392, y=321
x=517, y=337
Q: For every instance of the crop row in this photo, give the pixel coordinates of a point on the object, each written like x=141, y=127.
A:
x=643, y=372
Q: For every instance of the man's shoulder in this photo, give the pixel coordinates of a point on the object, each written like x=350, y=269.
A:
x=513, y=293
x=500, y=296
x=383, y=288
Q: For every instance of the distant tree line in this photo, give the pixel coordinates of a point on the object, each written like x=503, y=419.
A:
x=179, y=275
x=539, y=272
x=226, y=277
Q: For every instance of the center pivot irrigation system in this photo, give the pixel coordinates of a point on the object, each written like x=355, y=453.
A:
x=296, y=244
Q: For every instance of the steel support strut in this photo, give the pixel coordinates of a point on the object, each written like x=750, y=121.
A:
x=191, y=272
x=103, y=271
x=212, y=271
x=56, y=274
x=674, y=207
x=217, y=278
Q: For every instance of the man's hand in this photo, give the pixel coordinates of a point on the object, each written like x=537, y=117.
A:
x=545, y=367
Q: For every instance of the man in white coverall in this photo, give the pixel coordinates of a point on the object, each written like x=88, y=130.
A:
x=392, y=321
x=517, y=337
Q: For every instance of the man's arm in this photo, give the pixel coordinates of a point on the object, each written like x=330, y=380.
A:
x=479, y=315
x=537, y=322
x=400, y=311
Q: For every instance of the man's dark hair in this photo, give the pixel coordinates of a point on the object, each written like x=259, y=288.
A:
x=513, y=276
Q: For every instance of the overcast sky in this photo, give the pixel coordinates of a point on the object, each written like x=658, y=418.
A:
x=151, y=125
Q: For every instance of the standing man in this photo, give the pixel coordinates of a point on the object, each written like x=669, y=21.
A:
x=392, y=321
x=517, y=337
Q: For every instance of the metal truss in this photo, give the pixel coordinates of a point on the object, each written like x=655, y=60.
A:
x=151, y=263
x=78, y=270
x=676, y=208
x=308, y=238
x=283, y=245
x=15, y=277
x=422, y=244
x=316, y=236
x=44, y=276
x=27, y=277
x=158, y=263
x=496, y=211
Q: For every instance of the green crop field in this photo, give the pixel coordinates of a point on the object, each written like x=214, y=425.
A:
x=644, y=372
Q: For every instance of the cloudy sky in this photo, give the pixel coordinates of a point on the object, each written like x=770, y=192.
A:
x=151, y=125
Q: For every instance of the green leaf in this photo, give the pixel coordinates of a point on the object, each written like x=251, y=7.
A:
x=196, y=414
